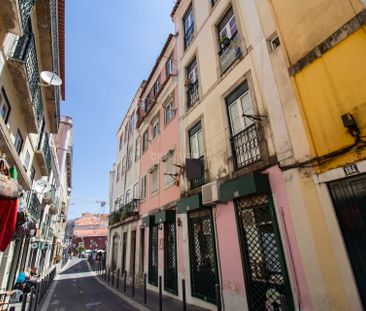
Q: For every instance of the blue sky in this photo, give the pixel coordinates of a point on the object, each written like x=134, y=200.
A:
x=111, y=46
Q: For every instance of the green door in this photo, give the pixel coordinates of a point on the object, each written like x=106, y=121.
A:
x=265, y=272
x=153, y=256
x=349, y=199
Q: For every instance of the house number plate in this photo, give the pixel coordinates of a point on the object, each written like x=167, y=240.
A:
x=350, y=169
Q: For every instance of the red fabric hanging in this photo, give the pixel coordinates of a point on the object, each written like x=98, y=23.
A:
x=8, y=219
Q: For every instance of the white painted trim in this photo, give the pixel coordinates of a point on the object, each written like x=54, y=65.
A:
x=338, y=173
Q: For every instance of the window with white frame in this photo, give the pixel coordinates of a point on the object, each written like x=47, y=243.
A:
x=129, y=157
x=155, y=127
x=157, y=86
x=169, y=112
x=138, y=149
x=196, y=141
x=4, y=106
x=154, y=179
x=169, y=66
x=128, y=197
x=18, y=143
x=188, y=27
x=26, y=161
x=169, y=168
x=136, y=191
x=227, y=28
x=118, y=172
x=145, y=141
x=143, y=187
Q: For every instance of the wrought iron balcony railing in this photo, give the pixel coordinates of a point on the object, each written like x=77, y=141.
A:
x=188, y=36
x=246, y=146
x=25, y=51
x=230, y=51
x=44, y=146
x=35, y=207
x=196, y=182
x=128, y=210
x=25, y=7
x=192, y=94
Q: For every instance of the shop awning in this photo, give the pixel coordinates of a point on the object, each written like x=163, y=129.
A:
x=189, y=204
x=164, y=216
x=245, y=185
x=148, y=221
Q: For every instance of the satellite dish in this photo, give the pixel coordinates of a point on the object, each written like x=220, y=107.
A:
x=41, y=184
x=50, y=78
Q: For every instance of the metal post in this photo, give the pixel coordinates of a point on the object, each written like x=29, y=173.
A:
x=160, y=295
x=112, y=278
x=124, y=281
x=24, y=302
x=184, y=301
x=117, y=279
x=133, y=284
x=31, y=299
x=109, y=275
x=145, y=292
x=218, y=297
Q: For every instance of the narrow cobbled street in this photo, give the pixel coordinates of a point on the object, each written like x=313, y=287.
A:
x=76, y=288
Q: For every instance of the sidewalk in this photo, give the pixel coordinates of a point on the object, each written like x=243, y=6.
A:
x=152, y=304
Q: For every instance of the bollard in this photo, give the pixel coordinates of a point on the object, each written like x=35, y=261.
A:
x=124, y=281
x=108, y=275
x=184, y=301
x=117, y=281
x=31, y=299
x=24, y=302
x=218, y=297
x=112, y=279
x=160, y=295
x=145, y=292
x=133, y=284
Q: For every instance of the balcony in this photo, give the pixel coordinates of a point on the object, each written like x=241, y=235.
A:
x=197, y=182
x=15, y=14
x=230, y=51
x=35, y=208
x=188, y=36
x=47, y=18
x=24, y=69
x=246, y=146
x=192, y=94
x=126, y=211
x=43, y=154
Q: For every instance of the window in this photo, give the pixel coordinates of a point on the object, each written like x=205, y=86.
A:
x=32, y=174
x=229, y=41
x=26, y=161
x=238, y=108
x=145, y=141
x=192, y=84
x=188, y=26
x=169, y=66
x=154, y=179
x=120, y=141
x=126, y=132
x=123, y=169
x=157, y=86
x=128, y=199
x=155, y=127
x=169, y=112
x=143, y=187
x=4, y=106
x=132, y=121
x=138, y=149
x=129, y=157
x=196, y=141
x=170, y=168
x=136, y=191
x=18, y=143
x=118, y=171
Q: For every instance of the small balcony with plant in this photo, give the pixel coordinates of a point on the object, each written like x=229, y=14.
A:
x=230, y=51
x=125, y=213
x=43, y=153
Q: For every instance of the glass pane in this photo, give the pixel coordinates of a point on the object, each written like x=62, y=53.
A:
x=247, y=108
x=193, y=141
x=236, y=120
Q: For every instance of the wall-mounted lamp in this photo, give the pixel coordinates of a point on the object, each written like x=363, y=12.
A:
x=350, y=124
x=179, y=222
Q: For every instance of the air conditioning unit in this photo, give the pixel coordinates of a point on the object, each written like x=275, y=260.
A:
x=210, y=193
